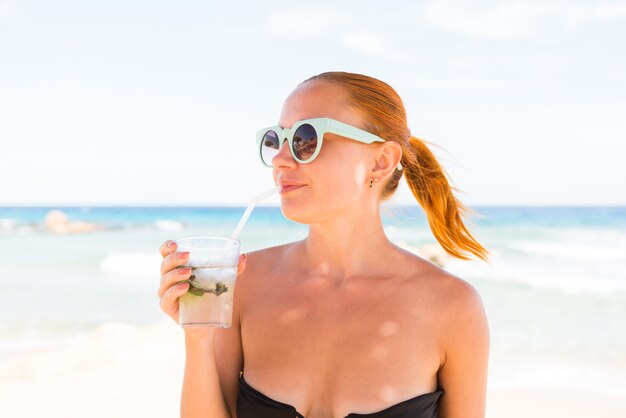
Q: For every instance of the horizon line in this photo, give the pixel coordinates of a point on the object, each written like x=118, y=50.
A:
x=128, y=206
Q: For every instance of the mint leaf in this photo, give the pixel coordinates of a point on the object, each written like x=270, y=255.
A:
x=195, y=291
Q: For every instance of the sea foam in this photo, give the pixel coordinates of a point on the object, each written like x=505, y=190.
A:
x=7, y=223
x=168, y=225
x=131, y=264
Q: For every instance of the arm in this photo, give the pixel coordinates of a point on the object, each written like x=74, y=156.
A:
x=463, y=373
x=201, y=394
x=214, y=358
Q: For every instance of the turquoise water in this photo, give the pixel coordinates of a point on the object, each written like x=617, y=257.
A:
x=554, y=291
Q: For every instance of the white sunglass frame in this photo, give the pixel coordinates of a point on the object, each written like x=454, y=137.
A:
x=321, y=126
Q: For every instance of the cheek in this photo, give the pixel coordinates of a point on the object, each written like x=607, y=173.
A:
x=335, y=185
x=341, y=167
x=332, y=192
x=341, y=185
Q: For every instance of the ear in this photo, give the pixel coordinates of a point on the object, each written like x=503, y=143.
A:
x=388, y=155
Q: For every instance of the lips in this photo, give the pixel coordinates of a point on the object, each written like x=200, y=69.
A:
x=288, y=186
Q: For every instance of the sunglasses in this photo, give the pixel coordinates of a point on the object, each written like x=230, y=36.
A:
x=305, y=139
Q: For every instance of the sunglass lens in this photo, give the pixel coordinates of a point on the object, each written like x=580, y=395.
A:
x=269, y=147
x=304, y=142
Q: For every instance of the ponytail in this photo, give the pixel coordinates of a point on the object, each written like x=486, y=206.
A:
x=429, y=184
x=385, y=116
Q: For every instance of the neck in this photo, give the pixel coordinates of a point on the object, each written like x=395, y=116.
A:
x=346, y=246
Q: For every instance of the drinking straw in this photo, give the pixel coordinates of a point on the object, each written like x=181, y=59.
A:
x=250, y=207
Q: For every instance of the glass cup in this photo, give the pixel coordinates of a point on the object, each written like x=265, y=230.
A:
x=209, y=300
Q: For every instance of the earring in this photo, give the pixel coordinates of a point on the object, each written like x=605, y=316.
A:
x=372, y=182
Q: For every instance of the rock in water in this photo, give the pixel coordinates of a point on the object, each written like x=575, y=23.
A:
x=58, y=222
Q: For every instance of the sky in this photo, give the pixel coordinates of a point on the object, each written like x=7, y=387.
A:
x=157, y=102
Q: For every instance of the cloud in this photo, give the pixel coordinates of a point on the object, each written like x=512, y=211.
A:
x=7, y=10
x=332, y=24
x=461, y=84
x=280, y=24
x=304, y=21
x=511, y=20
x=519, y=19
x=365, y=42
x=610, y=10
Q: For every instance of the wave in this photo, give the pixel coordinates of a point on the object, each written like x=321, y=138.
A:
x=131, y=264
x=11, y=227
x=168, y=225
x=568, y=277
x=511, y=373
x=6, y=223
x=578, y=251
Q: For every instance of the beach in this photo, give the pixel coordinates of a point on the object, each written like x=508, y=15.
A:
x=128, y=371
x=118, y=370
x=81, y=333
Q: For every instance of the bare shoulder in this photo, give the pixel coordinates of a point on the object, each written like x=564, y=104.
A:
x=455, y=313
x=265, y=258
x=450, y=298
x=456, y=316
x=457, y=297
x=272, y=250
x=260, y=264
x=447, y=288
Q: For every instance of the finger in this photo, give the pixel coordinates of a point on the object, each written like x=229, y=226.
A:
x=167, y=248
x=169, y=301
x=173, y=260
x=242, y=264
x=172, y=278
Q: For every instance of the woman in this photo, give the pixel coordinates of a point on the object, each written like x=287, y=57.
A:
x=344, y=322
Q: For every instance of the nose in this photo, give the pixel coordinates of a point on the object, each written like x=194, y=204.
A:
x=284, y=158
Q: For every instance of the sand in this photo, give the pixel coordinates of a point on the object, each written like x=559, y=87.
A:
x=117, y=371
x=121, y=370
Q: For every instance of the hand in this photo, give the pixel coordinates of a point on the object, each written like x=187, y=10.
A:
x=174, y=280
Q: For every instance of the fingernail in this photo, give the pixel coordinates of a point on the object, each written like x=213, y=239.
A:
x=171, y=244
x=184, y=254
x=184, y=270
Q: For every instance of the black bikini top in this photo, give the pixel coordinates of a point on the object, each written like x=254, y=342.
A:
x=253, y=404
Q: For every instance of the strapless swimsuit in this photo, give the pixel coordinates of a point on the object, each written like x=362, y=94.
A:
x=253, y=404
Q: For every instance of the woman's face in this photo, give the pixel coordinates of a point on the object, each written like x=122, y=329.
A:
x=337, y=181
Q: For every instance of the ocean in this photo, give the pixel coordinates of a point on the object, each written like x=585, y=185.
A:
x=554, y=290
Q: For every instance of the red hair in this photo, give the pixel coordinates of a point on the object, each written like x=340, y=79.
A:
x=385, y=116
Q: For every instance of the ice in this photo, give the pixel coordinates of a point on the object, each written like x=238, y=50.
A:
x=207, y=278
x=213, y=257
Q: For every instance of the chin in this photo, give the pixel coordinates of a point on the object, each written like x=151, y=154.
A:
x=300, y=215
x=301, y=211
x=309, y=211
